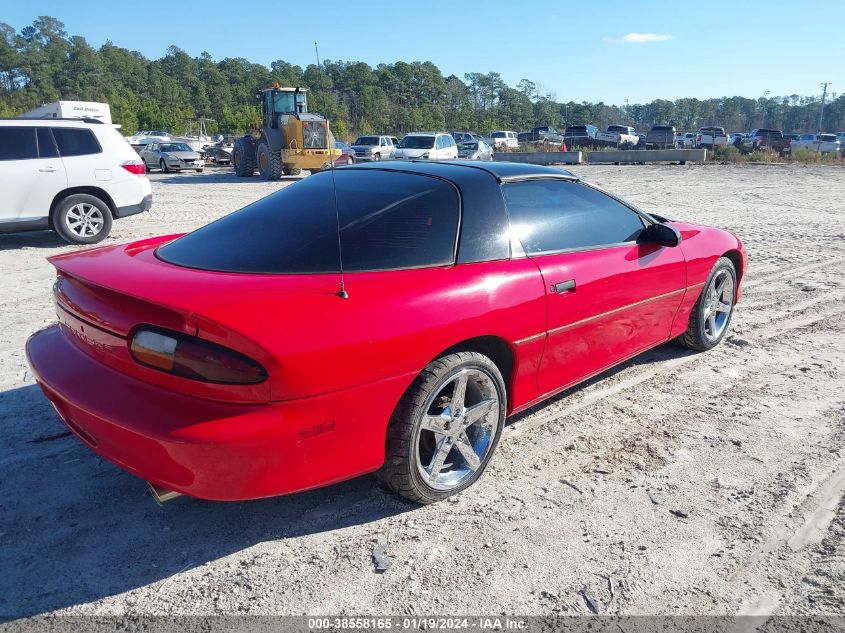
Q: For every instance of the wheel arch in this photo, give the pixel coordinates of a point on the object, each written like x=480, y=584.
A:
x=88, y=190
x=736, y=259
x=493, y=347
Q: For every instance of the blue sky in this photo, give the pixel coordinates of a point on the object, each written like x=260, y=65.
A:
x=604, y=50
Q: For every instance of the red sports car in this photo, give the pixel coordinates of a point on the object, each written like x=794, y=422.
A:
x=237, y=362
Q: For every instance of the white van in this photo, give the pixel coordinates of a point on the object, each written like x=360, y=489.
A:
x=506, y=138
x=70, y=175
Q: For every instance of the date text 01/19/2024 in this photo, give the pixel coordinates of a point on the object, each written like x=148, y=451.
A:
x=480, y=623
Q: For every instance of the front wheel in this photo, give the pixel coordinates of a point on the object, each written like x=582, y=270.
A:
x=711, y=314
x=163, y=166
x=444, y=430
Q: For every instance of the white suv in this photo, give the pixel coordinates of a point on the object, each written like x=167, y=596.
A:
x=430, y=145
x=70, y=175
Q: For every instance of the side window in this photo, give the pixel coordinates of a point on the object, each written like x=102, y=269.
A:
x=46, y=146
x=438, y=143
x=17, y=143
x=76, y=142
x=557, y=215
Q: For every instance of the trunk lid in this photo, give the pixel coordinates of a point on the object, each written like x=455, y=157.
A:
x=117, y=288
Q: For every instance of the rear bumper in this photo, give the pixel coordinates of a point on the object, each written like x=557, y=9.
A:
x=134, y=209
x=209, y=449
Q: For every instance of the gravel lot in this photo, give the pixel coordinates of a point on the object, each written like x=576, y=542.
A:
x=678, y=483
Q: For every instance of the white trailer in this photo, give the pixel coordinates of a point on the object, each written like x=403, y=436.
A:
x=71, y=110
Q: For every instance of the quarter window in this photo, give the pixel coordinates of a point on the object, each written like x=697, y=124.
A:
x=549, y=216
x=17, y=143
x=76, y=142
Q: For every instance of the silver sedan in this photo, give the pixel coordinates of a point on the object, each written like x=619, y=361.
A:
x=475, y=150
x=171, y=156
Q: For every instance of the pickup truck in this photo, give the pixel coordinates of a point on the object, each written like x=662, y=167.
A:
x=621, y=136
x=546, y=135
x=580, y=135
x=765, y=139
x=710, y=137
x=660, y=137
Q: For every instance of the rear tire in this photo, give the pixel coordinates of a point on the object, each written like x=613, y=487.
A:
x=411, y=467
x=291, y=171
x=243, y=157
x=269, y=162
x=82, y=219
x=712, y=312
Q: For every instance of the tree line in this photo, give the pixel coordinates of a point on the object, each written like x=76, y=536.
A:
x=41, y=63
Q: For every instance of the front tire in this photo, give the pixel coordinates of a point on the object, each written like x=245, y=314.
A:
x=243, y=157
x=82, y=219
x=291, y=171
x=712, y=312
x=269, y=162
x=445, y=429
x=163, y=166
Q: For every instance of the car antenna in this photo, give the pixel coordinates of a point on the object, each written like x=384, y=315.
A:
x=342, y=292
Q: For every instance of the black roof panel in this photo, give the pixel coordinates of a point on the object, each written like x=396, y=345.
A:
x=453, y=169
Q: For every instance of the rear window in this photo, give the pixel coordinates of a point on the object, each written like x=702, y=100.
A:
x=827, y=137
x=576, y=129
x=17, y=143
x=76, y=142
x=617, y=128
x=388, y=221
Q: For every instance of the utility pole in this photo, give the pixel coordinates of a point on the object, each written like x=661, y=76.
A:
x=824, y=95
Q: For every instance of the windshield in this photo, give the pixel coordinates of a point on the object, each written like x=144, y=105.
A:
x=498, y=135
x=469, y=146
x=827, y=137
x=175, y=147
x=388, y=221
x=283, y=102
x=576, y=130
x=417, y=142
x=617, y=128
x=366, y=140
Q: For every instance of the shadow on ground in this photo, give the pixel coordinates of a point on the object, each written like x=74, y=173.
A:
x=213, y=177
x=32, y=239
x=75, y=528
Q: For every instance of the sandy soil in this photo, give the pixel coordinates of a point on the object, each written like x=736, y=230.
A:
x=678, y=483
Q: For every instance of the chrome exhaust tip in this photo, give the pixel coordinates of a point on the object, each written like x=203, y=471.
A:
x=162, y=495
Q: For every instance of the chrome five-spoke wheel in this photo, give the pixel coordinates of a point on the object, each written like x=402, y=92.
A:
x=445, y=428
x=457, y=429
x=711, y=315
x=718, y=304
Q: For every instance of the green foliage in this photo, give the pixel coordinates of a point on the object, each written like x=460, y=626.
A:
x=43, y=63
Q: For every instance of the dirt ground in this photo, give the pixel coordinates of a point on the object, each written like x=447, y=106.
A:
x=678, y=483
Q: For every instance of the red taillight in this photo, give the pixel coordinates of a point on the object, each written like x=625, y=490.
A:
x=194, y=358
x=698, y=138
x=136, y=167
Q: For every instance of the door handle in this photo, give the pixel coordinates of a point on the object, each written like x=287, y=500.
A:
x=563, y=286
x=49, y=169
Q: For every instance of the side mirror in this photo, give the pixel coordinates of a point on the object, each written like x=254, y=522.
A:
x=660, y=234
